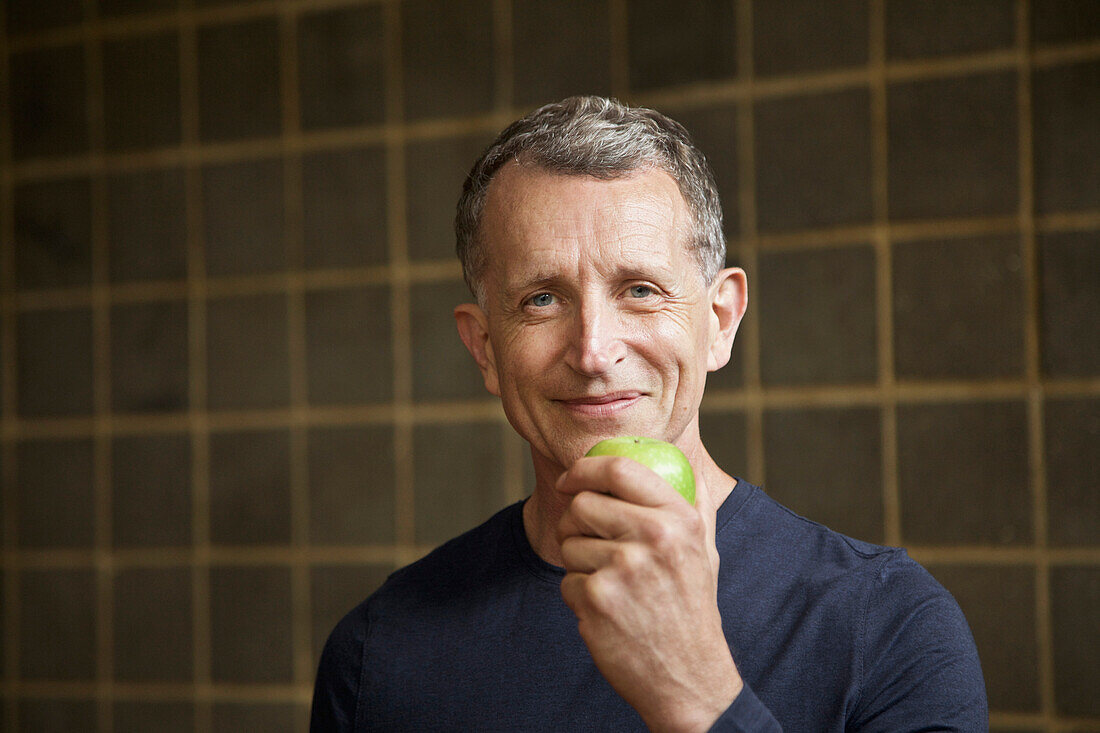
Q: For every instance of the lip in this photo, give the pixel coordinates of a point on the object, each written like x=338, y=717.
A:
x=601, y=405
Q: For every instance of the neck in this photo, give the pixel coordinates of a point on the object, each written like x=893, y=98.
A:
x=543, y=511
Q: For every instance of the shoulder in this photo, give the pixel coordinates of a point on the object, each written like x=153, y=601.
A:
x=797, y=549
x=409, y=596
x=462, y=562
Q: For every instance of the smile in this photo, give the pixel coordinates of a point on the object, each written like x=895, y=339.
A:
x=601, y=405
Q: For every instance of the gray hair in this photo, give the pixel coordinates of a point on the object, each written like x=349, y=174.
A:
x=602, y=138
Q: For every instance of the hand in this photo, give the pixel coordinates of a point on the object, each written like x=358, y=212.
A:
x=641, y=576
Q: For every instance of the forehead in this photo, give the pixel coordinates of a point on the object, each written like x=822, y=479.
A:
x=537, y=220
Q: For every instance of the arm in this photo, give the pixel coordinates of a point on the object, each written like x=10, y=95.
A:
x=920, y=665
x=641, y=576
x=336, y=690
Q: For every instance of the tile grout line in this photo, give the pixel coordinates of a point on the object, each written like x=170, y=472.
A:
x=485, y=409
x=46, y=559
x=301, y=607
x=12, y=566
x=748, y=247
x=1032, y=364
x=693, y=96
x=430, y=271
x=884, y=269
x=101, y=378
x=512, y=454
x=400, y=297
x=197, y=378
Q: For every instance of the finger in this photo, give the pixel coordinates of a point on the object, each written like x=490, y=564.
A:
x=621, y=477
x=581, y=554
x=602, y=515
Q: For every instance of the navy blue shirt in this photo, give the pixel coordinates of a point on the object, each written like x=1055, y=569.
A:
x=828, y=633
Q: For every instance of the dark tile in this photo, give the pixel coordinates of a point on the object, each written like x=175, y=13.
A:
x=243, y=217
x=442, y=368
x=48, y=106
x=271, y=717
x=53, y=233
x=349, y=346
x=1065, y=107
x=141, y=716
x=351, y=485
x=677, y=43
x=813, y=160
x=247, y=352
x=806, y=35
x=826, y=464
x=963, y=473
x=458, y=482
x=335, y=590
x=447, y=57
x=250, y=487
x=714, y=130
x=341, y=67
x=54, y=493
x=1074, y=608
x=958, y=308
x=147, y=225
x=919, y=28
x=1072, y=448
x=27, y=16
x=560, y=49
x=216, y=3
x=1070, y=265
x=114, y=8
x=817, y=316
x=243, y=601
x=141, y=92
x=151, y=483
x=156, y=601
x=54, y=353
x=57, y=629
x=953, y=146
x=436, y=172
x=1061, y=21
x=149, y=345
x=63, y=714
x=725, y=436
x=999, y=603
x=239, y=88
x=344, y=208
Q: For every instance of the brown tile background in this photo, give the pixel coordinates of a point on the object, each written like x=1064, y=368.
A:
x=232, y=396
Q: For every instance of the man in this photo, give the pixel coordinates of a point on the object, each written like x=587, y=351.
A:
x=590, y=234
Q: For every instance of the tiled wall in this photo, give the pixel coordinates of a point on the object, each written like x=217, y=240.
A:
x=232, y=396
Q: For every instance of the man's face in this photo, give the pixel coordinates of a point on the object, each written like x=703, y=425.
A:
x=598, y=320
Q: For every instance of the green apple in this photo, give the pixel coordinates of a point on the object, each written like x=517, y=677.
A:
x=665, y=459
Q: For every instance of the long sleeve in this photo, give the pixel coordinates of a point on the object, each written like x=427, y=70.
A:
x=920, y=666
x=746, y=714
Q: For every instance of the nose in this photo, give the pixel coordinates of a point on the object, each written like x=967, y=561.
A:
x=597, y=341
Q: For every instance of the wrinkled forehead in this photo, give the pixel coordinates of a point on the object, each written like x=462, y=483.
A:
x=538, y=220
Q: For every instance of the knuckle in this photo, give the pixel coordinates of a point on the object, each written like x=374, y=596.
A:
x=620, y=469
x=632, y=559
x=599, y=590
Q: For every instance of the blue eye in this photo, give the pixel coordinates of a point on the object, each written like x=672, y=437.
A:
x=641, y=291
x=542, y=300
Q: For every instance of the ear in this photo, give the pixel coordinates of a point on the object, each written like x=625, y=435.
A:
x=473, y=327
x=728, y=301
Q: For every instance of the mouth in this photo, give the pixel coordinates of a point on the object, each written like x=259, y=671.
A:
x=601, y=405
